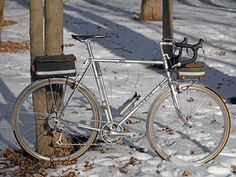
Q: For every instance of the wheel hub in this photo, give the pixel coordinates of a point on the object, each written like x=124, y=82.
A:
x=54, y=123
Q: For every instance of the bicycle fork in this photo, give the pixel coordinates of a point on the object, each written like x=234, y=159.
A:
x=174, y=92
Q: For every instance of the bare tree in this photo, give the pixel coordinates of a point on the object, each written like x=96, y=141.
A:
x=54, y=27
x=151, y=10
x=50, y=44
x=1, y=17
x=36, y=28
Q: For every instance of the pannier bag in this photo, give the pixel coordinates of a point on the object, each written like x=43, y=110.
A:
x=53, y=66
x=192, y=71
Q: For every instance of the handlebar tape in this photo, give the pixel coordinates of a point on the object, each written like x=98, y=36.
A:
x=194, y=48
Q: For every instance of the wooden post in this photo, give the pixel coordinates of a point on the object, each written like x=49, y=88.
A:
x=167, y=24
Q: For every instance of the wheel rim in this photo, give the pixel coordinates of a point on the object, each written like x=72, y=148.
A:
x=170, y=139
x=24, y=124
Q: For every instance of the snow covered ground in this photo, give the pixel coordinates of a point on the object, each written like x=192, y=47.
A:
x=212, y=20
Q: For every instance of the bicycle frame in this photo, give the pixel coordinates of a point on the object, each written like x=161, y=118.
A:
x=94, y=63
x=63, y=114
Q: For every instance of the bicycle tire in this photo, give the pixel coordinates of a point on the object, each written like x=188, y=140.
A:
x=44, y=133
x=200, y=142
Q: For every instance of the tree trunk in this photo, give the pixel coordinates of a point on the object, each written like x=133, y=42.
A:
x=53, y=42
x=1, y=17
x=151, y=10
x=54, y=46
x=36, y=29
x=54, y=27
x=36, y=49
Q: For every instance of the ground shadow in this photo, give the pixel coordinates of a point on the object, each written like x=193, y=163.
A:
x=122, y=39
x=207, y=4
x=5, y=111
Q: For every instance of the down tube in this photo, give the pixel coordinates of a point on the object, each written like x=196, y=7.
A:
x=143, y=101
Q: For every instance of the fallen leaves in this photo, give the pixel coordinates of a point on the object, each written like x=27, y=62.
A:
x=233, y=169
x=187, y=173
x=29, y=166
x=87, y=166
x=13, y=47
x=8, y=22
x=132, y=161
x=221, y=53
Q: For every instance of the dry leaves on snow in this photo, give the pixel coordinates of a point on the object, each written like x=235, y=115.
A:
x=29, y=166
x=8, y=22
x=13, y=47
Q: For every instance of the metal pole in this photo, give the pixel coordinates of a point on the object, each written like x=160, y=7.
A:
x=167, y=19
x=167, y=24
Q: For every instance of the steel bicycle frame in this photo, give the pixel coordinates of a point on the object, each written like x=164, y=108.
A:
x=94, y=63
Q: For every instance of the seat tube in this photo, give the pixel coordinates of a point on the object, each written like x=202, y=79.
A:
x=100, y=84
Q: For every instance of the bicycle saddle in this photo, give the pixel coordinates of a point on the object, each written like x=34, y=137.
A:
x=85, y=37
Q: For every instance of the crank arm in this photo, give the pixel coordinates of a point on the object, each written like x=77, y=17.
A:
x=122, y=134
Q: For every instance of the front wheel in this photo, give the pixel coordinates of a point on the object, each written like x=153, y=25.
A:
x=206, y=133
x=49, y=128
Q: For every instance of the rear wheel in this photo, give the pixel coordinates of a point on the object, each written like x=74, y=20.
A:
x=208, y=130
x=43, y=131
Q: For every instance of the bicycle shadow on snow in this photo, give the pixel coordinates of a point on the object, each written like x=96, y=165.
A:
x=5, y=114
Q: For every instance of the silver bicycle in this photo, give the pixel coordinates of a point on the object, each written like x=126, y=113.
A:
x=186, y=121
